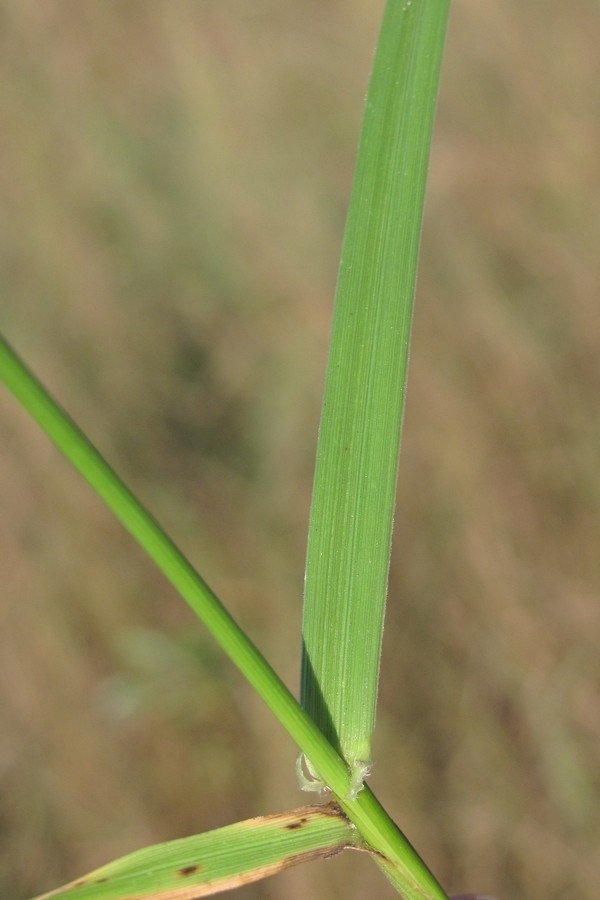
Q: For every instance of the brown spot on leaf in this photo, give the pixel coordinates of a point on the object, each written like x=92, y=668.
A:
x=297, y=823
x=188, y=870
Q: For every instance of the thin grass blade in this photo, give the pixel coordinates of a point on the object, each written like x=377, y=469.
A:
x=366, y=813
x=357, y=458
x=407, y=24
x=218, y=860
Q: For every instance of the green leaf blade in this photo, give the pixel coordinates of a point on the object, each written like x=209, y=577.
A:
x=218, y=860
x=367, y=815
x=382, y=238
x=355, y=478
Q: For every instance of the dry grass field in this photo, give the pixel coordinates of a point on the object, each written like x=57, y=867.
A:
x=174, y=176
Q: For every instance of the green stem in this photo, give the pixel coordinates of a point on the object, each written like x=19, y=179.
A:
x=367, y=814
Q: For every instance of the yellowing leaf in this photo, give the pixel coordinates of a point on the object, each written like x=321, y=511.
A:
x=219, y=860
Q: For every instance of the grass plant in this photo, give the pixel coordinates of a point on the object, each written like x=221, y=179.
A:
x=351, y=519
x=174, y=181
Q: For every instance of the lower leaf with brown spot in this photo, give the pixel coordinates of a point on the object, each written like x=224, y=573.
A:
x=206, y=864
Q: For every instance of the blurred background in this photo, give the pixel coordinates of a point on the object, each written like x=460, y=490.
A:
x=174, y=177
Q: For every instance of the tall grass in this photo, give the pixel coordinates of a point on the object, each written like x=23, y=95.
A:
x=508, y=250
x=352, y=503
